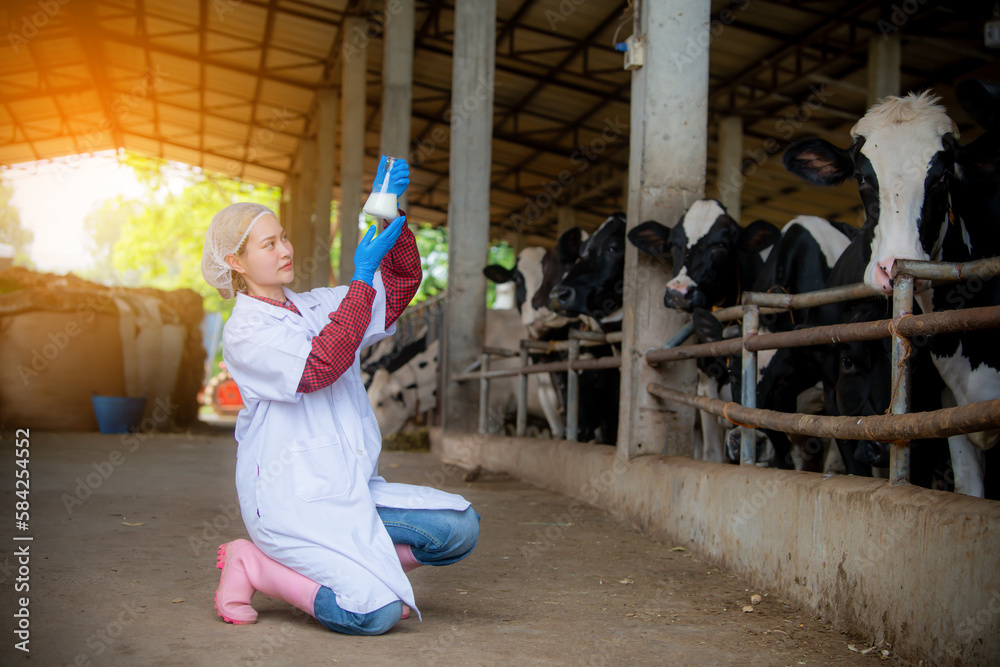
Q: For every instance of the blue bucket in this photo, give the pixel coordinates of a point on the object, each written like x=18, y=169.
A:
x=118, y=414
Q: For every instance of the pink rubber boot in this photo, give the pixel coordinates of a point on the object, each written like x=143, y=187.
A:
x=245, y=569
x=406, y=559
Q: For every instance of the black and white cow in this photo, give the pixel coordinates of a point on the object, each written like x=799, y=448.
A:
x=391, y=354
x=593, y=284
x=534, y=274
x=714, y=260
x=592, y=290
x=399, y=396
x=926, y=197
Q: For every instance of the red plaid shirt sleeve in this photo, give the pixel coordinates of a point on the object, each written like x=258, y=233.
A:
x=334, y=348
x=401, y=273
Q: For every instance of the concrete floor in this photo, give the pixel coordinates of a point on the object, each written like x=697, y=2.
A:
x=122, y=572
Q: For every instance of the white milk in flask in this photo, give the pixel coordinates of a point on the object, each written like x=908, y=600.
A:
x=382, y=203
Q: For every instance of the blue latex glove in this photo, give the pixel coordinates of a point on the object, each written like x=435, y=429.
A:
x=372, y=249
x=399, y=177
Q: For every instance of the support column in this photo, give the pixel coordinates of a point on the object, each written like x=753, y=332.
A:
x=352, y=146
x=565, y=219
x=667, y=159
x=326, y=145
x=884, y=61
x=730, y=172
x=397, y=80
x=469, y=206
x=301, y=232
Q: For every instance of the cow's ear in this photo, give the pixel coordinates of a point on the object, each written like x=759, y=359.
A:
x=818, y=161
x=651, y=237
x=568, y=246
x=758, y=235
x=982, y=155
x=850, y=231
x=498, y=274
x=981, y=100
x=708, y=328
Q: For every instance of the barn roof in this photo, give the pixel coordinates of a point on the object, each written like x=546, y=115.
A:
x=231, y=86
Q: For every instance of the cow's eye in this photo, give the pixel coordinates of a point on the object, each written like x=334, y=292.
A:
x=847, y=363
x=611, y=250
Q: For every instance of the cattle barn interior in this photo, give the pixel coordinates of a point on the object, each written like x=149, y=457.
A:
x=236, y=91
x=307, y=94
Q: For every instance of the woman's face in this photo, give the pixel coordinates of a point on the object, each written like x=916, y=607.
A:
x=267, y=260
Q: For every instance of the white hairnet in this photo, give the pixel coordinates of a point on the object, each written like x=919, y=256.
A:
x=227, y=235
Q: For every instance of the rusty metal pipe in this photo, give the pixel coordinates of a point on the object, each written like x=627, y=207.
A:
x=521, y=425
x=809, y=299
x=736, y=313
x=748, y=435
x=902, y=307
x=554, y=366
x=970, y=319
x=500, y=351
x=971, y=418
x=980, y=269
x=572, y=393
x=597, y=336
x=721, y=348
x=549, y=346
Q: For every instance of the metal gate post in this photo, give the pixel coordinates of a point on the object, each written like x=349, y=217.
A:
x=484, y=394
x=522, y=395
x=573, y=393
x=902, y=305
x=748, y=435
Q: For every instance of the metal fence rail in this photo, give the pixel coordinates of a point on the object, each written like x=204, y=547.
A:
x=572, y=366
x=986, y=317
x=899, y=427
x=942, y=423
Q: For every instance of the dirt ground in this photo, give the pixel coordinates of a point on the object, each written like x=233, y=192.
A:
x=122, y=572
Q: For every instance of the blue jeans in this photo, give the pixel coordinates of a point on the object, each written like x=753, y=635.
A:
x=436, y=537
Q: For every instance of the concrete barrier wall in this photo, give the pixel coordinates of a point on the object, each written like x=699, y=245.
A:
x=917, y=568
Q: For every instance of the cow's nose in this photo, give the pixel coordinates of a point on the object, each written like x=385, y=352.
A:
x=562, y=295
x=883, y=274
x=681, y=288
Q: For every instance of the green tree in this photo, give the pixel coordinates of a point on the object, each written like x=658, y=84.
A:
x=432, y=244
x=105, y=223
x=162, y=243
x=11, y=231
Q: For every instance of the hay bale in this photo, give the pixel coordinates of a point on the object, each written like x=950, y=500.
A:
x=51, y=362
x=62, y=338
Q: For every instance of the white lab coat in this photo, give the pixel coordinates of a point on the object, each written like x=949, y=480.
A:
x=307, y=464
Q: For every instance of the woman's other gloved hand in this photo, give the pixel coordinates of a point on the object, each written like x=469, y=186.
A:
x=399, y=176
x=373, y=248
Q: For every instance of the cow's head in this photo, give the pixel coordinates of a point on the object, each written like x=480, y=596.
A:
x=535, y=273
x=903, y=157
x=704, y=246
x=593, y=284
